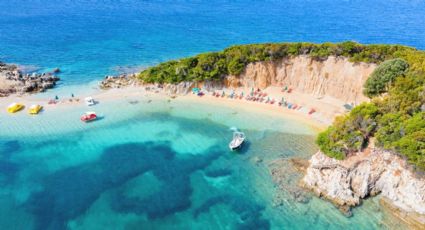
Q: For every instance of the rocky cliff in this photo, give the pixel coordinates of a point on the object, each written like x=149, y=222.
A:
x=347, y=182
x=335, y=76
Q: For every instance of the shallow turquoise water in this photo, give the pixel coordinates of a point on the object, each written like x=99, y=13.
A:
x=158, y=165
x=166, y=165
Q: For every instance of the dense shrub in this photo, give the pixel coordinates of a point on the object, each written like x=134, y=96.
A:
x=399, y=121
x=349, y=133
x=233, y=60
x=384, y=75
x=404, y=134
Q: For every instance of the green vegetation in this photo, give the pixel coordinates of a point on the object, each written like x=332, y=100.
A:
x=217, y=65
x=394, y=118
x=349, y=133
x=384, y=75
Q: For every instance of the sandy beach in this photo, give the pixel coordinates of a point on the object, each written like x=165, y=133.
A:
x=326, y=108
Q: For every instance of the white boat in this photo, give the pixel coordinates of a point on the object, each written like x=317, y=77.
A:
x=237, y=141
x=89, y=101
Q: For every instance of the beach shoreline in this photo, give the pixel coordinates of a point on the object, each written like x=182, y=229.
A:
x=318, y=121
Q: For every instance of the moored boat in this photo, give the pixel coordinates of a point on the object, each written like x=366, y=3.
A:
x=237, y=141
x=15, y=107
x=88, y=116
x=35, y=109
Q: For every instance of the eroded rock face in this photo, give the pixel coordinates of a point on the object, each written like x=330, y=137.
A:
x=119, y=81
x=335, y=76
x=182, y=88
x=12, y=81
x=347, y=182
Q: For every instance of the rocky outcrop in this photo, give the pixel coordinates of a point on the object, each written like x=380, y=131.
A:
x=335, y=76
x=347, y=182
x=123, y=80
x=182, y=88
x=12, y=81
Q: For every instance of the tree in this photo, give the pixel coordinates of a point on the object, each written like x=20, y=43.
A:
x=383, y=76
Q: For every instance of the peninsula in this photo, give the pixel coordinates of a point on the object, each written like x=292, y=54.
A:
x=376, y=147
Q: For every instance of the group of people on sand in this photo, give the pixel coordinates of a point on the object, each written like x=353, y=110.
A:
x=262, y=97
x=55, y=100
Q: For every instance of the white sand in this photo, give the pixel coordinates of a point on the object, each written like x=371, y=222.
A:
x=326, y=108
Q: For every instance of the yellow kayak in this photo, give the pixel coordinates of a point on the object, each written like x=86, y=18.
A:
x=15, y=107
x=35, y=109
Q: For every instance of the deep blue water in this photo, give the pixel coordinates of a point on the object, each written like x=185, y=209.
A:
x=88, y=39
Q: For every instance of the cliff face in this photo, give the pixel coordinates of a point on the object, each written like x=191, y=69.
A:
x=335, y=77
x=347, y=182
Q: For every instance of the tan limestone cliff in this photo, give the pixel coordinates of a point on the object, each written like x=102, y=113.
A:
x=335, y=77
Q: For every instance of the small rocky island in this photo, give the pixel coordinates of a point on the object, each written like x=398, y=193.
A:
x=14, y=81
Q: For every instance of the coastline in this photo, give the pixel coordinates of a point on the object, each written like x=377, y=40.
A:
x=317, y=122
x=110, y=96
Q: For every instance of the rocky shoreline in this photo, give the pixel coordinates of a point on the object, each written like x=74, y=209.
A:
x=119, y=81
x=346, y=183
x=14, y=81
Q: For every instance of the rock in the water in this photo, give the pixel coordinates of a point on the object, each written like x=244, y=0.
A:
x=347, y=182
x=13, y=81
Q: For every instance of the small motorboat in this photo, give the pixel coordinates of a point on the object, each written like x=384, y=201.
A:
x=88, y=116
x=15, y=107
x=237, y=141
x=35, y=109
x=89, y=101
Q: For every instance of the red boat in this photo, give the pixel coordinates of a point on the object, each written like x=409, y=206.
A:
x=88, y=116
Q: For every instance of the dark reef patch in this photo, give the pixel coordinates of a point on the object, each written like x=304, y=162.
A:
x=218, y=172
x=175, y=193
x=250, y=213
x=8, y=169
x=9, y=147
x=68, y=193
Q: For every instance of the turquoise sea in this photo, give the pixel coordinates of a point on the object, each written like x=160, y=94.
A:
x=165, y=164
